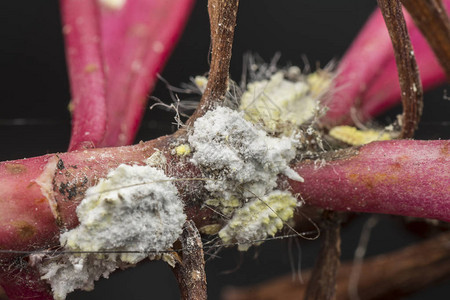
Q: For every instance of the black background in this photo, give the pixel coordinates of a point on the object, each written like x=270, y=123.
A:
x=34, y=120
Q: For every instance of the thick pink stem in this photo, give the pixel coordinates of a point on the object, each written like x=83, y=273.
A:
x=39, y=195
x=367, y=75
x=26, y=222
x=410, y=178
x=87, y=80
x=38, y=198
x=137, y=40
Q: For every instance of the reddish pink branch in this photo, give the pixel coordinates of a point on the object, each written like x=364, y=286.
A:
x=410, y=178
x=87, y=80
x=25, y=283
x=35, y=192
x=137, y=40
x=368, y=75
x=38, y=198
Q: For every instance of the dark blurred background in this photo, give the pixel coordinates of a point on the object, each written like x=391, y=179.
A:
x=34, y=119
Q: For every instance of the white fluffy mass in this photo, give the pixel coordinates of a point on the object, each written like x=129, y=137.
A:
x=135, y=208
x=68, y=273
x=240, y=158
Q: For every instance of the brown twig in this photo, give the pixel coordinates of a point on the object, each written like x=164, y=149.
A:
x=222, y=16
x=432, y=19
x=408, y=73
x=322, y=284
x=409, y=270
x=190, y=272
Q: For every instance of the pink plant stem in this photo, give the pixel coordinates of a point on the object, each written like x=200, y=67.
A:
x=25, y=283
x=362, y=62
x=114, y=55
x=367, y=75
x=410, y=178
x=38, y=198
x=137, y=40
x=39, y=195
x=384, y=92
x=87, y=80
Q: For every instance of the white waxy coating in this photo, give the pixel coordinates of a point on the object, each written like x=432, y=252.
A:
x=238, y=156
x=75, y=272
x=135, y=208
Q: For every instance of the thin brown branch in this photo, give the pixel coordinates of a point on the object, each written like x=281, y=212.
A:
x=408, y=73
x=190, y=272
x=387, y=276
x=322, y=284
x=431, y=18
x=222, y=16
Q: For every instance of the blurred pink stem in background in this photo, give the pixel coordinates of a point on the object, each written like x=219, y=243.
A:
x=86, y=72
x=367, y=75
x=114, y=54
